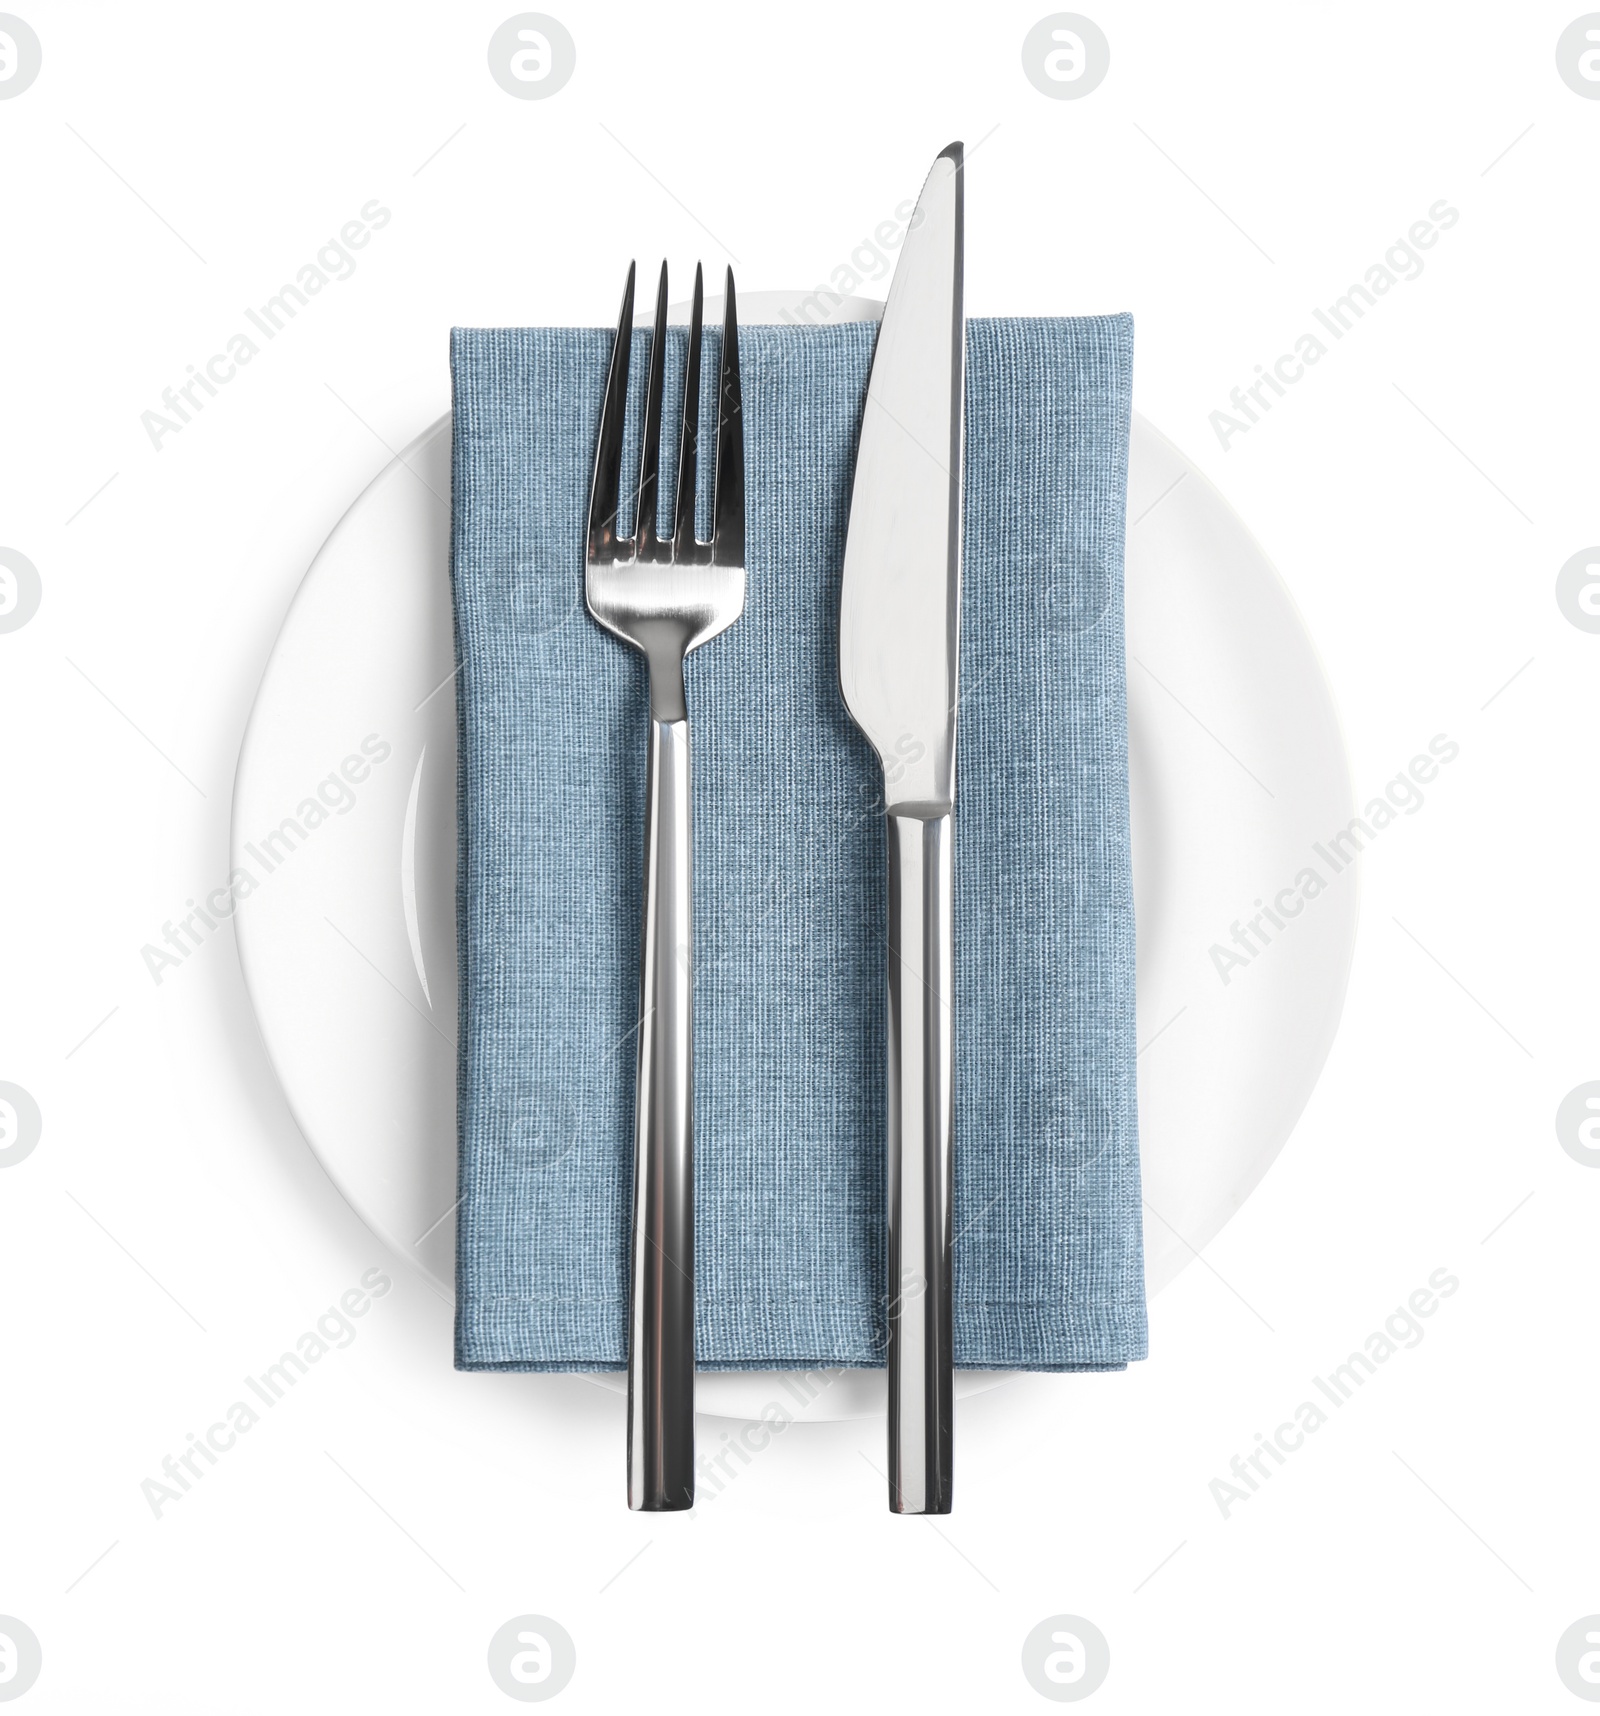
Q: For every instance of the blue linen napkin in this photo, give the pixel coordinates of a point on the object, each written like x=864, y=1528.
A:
x=790, y=870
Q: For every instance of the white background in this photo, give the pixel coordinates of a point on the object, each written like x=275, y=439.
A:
x=1418, y=490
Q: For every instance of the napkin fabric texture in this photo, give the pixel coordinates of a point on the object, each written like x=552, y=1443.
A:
x=789, y=869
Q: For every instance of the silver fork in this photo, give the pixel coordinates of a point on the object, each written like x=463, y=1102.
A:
x=666, y=596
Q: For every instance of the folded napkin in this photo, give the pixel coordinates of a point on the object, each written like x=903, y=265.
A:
x=789, y=877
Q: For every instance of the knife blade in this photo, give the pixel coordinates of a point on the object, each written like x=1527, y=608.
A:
x=899, y=661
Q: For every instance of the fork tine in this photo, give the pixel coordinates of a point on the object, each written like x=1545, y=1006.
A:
x=727, y=529
x=684, y=541
x=603, y=491
x=644, y=525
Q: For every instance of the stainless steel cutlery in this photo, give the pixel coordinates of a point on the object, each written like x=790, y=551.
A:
x=899, y=638
x=899, y=649
x=666, y=595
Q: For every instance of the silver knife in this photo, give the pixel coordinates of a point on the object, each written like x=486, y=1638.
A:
x=899, y=645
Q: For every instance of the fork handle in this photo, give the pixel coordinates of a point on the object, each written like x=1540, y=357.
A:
x=661, y=1293
x=920, y=1162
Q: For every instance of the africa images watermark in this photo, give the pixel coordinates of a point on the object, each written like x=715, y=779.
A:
x=333, y=262
x=1403, y=796
x=802, y=1387
x=1400, y=262
x=869, y=261
x=716, y=1471
x=1402, y=1330
x=334, y=1330
x=335, y=796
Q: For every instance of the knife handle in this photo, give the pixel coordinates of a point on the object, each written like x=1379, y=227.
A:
x=661, y=1288
x=920, y=1162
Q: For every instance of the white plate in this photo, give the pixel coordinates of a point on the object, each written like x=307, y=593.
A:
x=348, y=939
